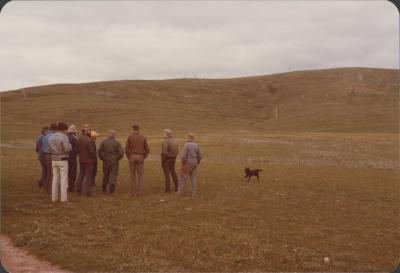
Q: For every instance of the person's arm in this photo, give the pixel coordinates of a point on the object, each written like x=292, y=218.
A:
x=127, y=150
x=77, y=145
x=100, y=152
x=198, y=155
x=95, y=150
x=120, y=151
x=38, y=144
x=185, y=154
x=146, y=148
x=92, y=148
x=44, y=142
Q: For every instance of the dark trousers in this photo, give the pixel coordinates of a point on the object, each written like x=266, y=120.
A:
x=43, y=171
x=49, y=174
x=110, y=173
x=85, y=172
x=72, y=172
x=168, y=165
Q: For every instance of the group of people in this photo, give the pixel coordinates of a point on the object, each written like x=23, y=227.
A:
x=58, y=148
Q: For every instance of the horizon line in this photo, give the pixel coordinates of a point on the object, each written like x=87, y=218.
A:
x=197, y=78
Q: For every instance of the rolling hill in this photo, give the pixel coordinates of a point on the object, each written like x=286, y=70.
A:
x=330, y=100
x=329, y=185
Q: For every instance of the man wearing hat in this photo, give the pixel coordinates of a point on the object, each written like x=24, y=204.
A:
x=110, y=152
x=72, y=159
x=136, y=150
x=87, y=158
x=169, y=151
x=190, y=159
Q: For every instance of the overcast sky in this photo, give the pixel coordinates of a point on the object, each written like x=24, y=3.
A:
x=45, y=42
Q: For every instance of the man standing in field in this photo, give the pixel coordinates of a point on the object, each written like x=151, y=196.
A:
x=169, y=151
x=190, y=159
x=94, y=135
x=72, y=159
x=110, y=152
x=40, y=154
x=59, y=148
x=47, y=158
x=136, y=150
x=87, y=157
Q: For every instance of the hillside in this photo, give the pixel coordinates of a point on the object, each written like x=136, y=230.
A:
x=331, y=100
x=328, y=186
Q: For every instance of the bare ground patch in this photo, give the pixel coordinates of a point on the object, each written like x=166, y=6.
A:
x=16, y=260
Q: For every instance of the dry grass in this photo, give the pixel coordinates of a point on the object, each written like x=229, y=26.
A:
x=289, y=221
x=331, y=192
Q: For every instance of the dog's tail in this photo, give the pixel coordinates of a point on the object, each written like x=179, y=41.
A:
x=258, y=170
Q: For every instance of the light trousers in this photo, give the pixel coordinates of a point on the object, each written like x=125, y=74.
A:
x=136, y=166
x=60, y=180
x=189, y=169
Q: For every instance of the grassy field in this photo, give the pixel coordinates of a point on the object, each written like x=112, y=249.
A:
x=329, y=185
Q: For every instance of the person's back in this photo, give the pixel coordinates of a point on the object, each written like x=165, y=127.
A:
x=191, y=151
x=87, y=160
x=136, y=144
x=169, y=152
x=170, y=147
x=110, y=150
x=86, y=149
x=45, y=141
x=59, y=146
x=190, y=159
x=136, y=150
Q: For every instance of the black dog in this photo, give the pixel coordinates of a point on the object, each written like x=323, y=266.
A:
x=250, y=173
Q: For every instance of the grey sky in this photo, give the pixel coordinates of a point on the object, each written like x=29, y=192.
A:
x=45, y=42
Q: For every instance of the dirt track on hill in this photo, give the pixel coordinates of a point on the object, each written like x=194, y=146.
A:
x=15, y=260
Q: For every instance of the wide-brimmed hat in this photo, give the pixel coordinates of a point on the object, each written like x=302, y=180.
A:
x=167, y=132
x=72, y=129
